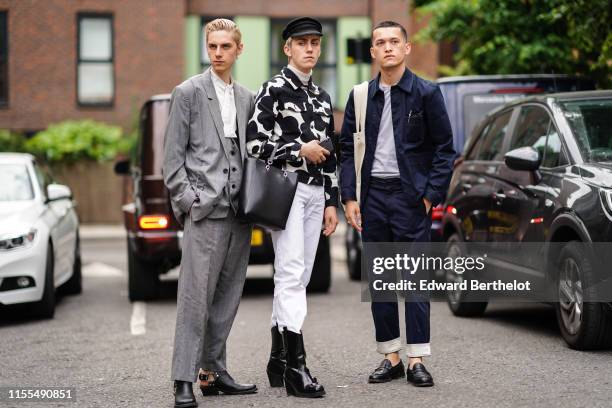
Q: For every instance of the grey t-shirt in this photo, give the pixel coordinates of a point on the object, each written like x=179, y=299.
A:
x=385, y=159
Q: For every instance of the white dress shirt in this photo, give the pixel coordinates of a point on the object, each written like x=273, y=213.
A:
x=227, y=104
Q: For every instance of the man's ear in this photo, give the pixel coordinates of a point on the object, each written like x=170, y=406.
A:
x=408, y=47
x=372, y=53
x=240, y=48
x=287, y=50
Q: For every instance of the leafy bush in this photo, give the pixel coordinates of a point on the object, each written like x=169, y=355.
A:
x=71, y=141
x=11, y=142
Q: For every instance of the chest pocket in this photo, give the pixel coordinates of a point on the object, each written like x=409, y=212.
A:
x=414, y=127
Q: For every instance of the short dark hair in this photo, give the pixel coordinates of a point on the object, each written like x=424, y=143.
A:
x=389, y=23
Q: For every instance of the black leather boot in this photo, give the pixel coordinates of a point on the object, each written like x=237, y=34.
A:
x=183, y=395
x=278, y=359
x=223, y=382
x=298, y=380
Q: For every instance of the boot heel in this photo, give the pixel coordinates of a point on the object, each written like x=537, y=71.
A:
x=289, y=389
x=276, y=380
x=209, y=390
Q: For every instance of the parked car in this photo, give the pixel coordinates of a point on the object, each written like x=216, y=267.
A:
x=539, y=170
x=39, y=236
x=154, y=235
x=468, y=99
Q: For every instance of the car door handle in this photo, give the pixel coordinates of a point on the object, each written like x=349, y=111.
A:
x=499, y=196
x=466, y=187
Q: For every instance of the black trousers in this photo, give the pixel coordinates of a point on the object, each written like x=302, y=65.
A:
x=387, y=218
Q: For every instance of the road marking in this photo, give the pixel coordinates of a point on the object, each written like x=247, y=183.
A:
x=138, y=321
x=100, y=270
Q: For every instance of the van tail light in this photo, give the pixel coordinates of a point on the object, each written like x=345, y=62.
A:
x=518, y=90
x=437, y=213
x=153, y=222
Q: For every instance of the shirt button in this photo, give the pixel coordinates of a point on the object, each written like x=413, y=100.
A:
x=233, y=186
x=233, y=169
x=224, y=171
x=232, y=152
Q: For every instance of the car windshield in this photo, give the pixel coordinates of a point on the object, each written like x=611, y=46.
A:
x=591, y=123
x=15, y=183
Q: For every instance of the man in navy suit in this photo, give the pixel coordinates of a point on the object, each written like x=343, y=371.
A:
x=406, y=171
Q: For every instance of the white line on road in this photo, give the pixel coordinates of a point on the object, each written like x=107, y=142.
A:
x=138, y=321
x=100, y=270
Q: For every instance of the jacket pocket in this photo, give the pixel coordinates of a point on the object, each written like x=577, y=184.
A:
x=414, y=131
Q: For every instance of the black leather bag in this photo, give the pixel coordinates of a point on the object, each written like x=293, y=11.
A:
x=267, y=193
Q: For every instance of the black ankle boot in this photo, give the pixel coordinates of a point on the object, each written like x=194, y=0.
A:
x=278, y=359
x=298, y=380
x=183, y=395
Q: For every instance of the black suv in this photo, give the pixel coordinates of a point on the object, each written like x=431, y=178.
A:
x=539, y=170
x=154, y=235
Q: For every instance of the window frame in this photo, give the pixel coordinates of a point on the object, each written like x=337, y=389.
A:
x=4, y=59
x=95, y=15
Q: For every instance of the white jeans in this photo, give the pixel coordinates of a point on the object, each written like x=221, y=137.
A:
x=295, y=248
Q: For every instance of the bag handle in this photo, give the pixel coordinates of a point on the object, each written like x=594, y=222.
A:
x=360, y=98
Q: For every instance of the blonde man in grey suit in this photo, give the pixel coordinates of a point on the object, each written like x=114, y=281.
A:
x=203, y=158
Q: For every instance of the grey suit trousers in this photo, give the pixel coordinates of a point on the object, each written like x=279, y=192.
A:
x=215, y=256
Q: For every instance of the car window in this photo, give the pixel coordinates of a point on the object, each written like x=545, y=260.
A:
x=491, y=143
x=476, y=145
x=531, y=128
x=553, y=155
x=15, y=182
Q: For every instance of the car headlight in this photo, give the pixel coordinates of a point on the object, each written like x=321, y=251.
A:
x=606, y=201
x=12, y=241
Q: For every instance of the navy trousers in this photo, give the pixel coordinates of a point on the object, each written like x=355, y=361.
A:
x=387, y=218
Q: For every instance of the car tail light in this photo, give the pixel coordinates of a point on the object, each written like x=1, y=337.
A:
x=437, y=213
x=451, y=210
x=150, y=222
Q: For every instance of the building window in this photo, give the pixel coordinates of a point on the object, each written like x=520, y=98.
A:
x=3, y=59
x=95, y=66
x=204, y=60
x=324, y=74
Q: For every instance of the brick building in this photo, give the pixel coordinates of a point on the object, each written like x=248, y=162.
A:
x=101, y=59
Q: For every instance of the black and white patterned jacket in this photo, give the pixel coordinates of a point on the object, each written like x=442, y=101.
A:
x=288, y=113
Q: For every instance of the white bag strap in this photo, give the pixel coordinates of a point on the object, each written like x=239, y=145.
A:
x=360, y=98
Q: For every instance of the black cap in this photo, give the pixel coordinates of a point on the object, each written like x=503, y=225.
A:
x=302, y=26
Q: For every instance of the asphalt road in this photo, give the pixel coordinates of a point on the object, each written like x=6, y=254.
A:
x=511, y=357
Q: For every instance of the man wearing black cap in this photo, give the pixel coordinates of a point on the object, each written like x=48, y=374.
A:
x=296, y=115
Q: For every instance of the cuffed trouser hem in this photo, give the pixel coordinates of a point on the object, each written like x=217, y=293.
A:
x=418, y=350
x=391, y=346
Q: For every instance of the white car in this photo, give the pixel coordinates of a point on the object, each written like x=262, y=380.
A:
x=39, y=240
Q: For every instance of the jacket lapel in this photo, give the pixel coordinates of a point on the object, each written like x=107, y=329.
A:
x=242, y=104
x=214, y=108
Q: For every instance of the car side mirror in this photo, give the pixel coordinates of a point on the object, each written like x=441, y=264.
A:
x=58, y=192
x=122, y=167
x=523, y=159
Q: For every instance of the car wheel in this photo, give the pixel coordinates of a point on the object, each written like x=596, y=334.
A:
x=583, y=325
x=45, y=308
x=143, y=278
x=353, y=255
x=458, y=300
x=320, y=280
x=74, y=285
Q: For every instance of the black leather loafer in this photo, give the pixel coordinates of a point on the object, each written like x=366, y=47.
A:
x=419, y=376
x=386, y=372
x=223, y=382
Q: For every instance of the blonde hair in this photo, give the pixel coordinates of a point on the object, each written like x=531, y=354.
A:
x=223, y=24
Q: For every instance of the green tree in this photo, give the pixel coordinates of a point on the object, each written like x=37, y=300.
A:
x=524, y=36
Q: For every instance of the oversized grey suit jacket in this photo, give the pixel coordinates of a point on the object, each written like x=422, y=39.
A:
x=195, y=148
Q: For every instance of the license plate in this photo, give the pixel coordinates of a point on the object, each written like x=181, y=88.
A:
x=257, y=237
